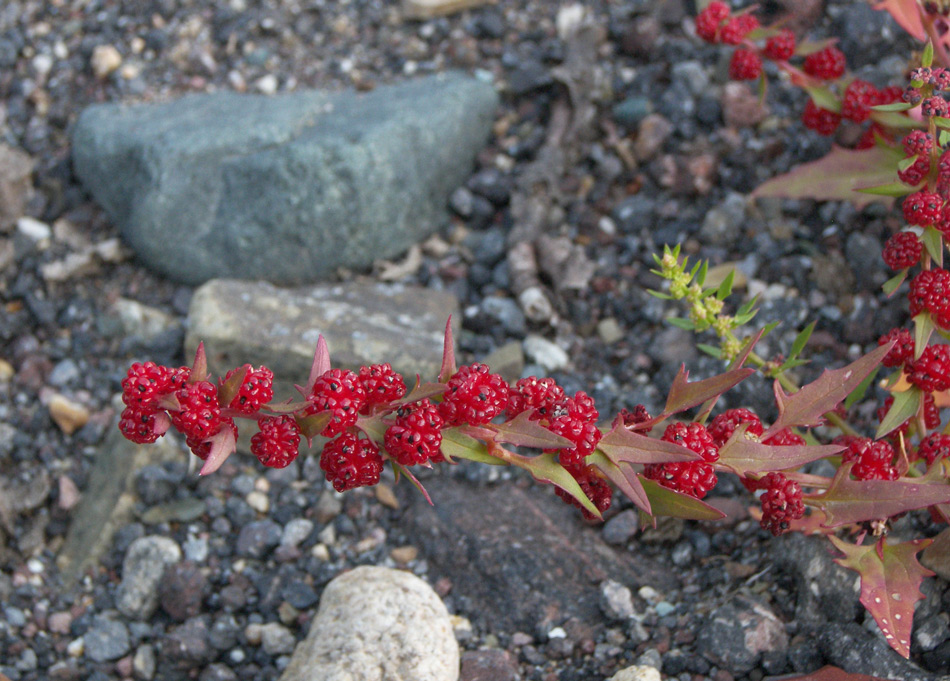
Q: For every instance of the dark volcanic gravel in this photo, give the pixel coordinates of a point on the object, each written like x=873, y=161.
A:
x=258, y=545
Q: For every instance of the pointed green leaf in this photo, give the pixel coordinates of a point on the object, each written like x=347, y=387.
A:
x=943, y=137
x=894, y=283
x=894, y=106
x=420, y=392
x=906, y=163
x=890, y=584
x=521, y=431
x=228, y=390
x=681, y=323
x=824, y=98
x=933, y=242
x=545, y=468
x=807, y=406
x=858, y=393
x=895, y=120
x=725, y=287
x=942, y=122
x=710, y=350
x=684, y=395
x=807, y=47
x=458, y=445
x=659, y=294
x=404, y=470
x=701, y=277
x=313, y=424
x=800, y=340
x=923, y=330
x=849, y=501
x=926, y=60
x=891, y=189
x=666, y=502
x=905, y=405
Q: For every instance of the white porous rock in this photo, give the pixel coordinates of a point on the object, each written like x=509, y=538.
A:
x=377, y=624
x=639, y=672
x=142, y=569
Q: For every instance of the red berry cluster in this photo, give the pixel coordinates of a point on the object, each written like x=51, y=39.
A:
x=872, y=459
x=781, y=502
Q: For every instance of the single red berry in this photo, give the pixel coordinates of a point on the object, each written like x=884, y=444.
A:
x=934, y=106
x=826, y=64
x=382, y=385
x=930, y=292
x=780, y=47
x=921, y=73
x=416, y=436
x=340, y=392
x=694, y=437
x=199, y=415
x=858, y=99
x=737, y=28
x=474, y=396
x=822, y=121
x=256, y=390
x=539, y=396
x=350, y=462
x=934, y=447
x=138, y=424
x=745, y=65
x=918, y=143
x=709, y=20
x=724, y=425
x=922, y=208
x=781, y=503
x=914, y=174
x=576, y=420
x=931, y=371
x=595, y=487
x=145, y=383
x=277, y=441
x=902, y=350
x=785, y=438
x=902, y=250
x=890, y=95
x=940, y=78
x=912, y=95
x=873, y=459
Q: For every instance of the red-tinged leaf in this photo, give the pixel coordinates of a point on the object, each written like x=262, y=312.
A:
x=666, y=502
x=320, y=366
x=400, y=469
x=848, y=501
x=836, y=176
x=312, y=425
x=807, y=47
x=545, y=468
x=287, y=407
x=199, y=368
x=421, y=392
x=907, y=14
x=831, y=674
x=736, y=363
x=162, y=423
x=458, y=445
x=228, y=390
x=223, y=445
x=905, y=405
x=684, y=395
x=373, y=426
x=521, y=431
x=624, y=478
x=448, y=354
x=808, y=405
x=890, y=584
x=743, y=456
x=623, y=446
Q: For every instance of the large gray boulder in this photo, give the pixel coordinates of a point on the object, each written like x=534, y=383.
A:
x=285, y=188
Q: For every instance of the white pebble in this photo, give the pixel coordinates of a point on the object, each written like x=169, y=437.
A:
x=33, y=229
x=545, y=353
x=267, y=84
x=258, y=501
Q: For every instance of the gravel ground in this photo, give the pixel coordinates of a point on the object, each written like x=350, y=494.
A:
x=61, y=336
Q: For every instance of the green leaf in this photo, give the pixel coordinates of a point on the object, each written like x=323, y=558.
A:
x=905, y=405
x=228, y=390
x=711, y=350
x=858, y=393
x=545, y=468
x=836, y=176
x=894, y=283
x=659, y=294
x=801, y=339
x=933, y=242
x=807, y=406
x=848, y=501
x=894, y=106
x=824, y=98
x=791, y=364
x=684, y=395
x=807, y=47
x=725, y=287
x=923, y=330
x=404, y=470
x=458, y=445
x=313, y=424
x=666, y=502
x=926, y=60
x=890, y=584
x=701, y=276
x=906, y=163
x=892, y=189
x=681, y=323
x=943, y=137
x=895, y=120
x=747, y=306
